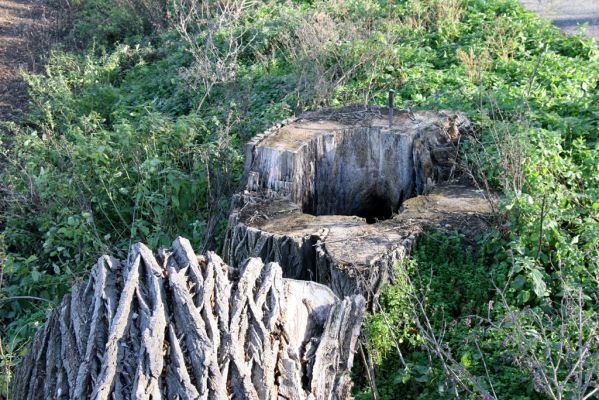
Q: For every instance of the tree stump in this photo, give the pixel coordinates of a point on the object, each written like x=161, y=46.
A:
x=339, y=196
x=174, y=325
x=335, y=198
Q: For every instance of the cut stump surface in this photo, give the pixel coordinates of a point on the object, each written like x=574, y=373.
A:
x=339, y=197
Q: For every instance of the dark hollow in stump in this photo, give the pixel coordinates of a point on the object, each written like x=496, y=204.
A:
x=173, y=325
x=338, y=196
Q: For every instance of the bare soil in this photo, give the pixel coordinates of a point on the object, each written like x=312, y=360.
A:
x=28, y=28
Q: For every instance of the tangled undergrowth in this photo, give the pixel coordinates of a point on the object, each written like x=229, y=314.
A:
x=137, y=137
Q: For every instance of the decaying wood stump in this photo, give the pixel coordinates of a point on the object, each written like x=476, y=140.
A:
x=335, y=197
x=338, y=197
x=174, y=325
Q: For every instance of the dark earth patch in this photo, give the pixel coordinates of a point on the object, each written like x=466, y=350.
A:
x=28, y=28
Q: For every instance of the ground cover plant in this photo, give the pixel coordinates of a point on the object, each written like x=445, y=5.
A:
x=136, y=135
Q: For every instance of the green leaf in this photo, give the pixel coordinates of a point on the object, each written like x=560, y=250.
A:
x=35, y=275
x=31, y=259
x=519, y=282
x=524, y=296
x=538, y=284
x=403, y=376
x=465, y=359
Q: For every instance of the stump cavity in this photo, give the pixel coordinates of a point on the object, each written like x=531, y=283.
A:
x=338, y=197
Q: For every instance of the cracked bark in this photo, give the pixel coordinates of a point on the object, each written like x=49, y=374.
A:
x=339, y=196
x=178, y=326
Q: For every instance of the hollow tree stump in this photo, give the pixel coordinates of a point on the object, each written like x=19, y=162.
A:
x=174, y=325
x=338, y=196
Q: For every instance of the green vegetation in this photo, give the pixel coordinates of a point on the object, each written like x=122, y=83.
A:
x=444, y=330
x=443, y=290
x=137, y=135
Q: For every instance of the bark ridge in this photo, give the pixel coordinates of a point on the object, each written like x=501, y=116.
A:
x=180, y=326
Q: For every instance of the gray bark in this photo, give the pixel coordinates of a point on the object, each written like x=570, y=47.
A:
x=316, y=184
x=336, y=197
x=178, y=326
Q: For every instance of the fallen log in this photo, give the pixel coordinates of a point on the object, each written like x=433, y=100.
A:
x=174, y=325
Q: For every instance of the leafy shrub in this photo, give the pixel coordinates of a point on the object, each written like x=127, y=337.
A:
x=99, y=174
x=451, y=281
x=108, y=22
x=121, y=146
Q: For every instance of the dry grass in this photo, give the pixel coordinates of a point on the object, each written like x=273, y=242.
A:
x=435, y=14
x=475, y=63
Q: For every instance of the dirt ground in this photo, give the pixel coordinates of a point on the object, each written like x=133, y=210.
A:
x=27, y=30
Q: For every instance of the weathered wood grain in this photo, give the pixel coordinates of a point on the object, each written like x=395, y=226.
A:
x=339, y=196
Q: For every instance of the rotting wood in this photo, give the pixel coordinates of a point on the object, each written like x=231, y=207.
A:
x=338, y=197
x=333, y=197
x=174, y=325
